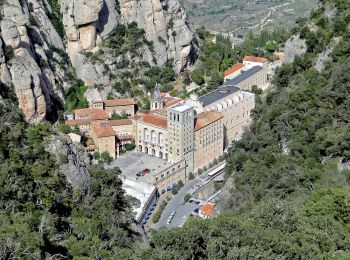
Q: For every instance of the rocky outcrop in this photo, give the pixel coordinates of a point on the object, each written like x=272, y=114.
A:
x=167, y=26
x=21, y=65
x=34, y=48
x=72, y=160
x=294, y=46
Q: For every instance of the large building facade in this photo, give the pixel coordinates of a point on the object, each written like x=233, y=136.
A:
x=208, y=138
x=181, y=134
x=234, y=104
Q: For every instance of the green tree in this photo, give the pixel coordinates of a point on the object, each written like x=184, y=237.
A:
x=197, y=76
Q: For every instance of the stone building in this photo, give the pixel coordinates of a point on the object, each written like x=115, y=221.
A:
x=208, y=138
x=118, y=106
x=150, y=133
x=104, y=138
x=256, y=75
x=233, y=71
x=181, y=134
x=122, y=127
x=157, y=100
x=235, y=106
x=252, y=61
x=168, y=175
x=82, y=118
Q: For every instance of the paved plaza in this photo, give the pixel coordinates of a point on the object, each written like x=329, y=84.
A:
x=134, y=162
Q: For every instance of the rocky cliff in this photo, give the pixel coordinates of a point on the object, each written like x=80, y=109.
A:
x=26, y=35
x=44, y=43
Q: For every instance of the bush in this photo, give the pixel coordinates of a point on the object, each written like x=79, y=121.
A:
x=116, y=116
x=187, y=197
x=256, y=90
x=130, y=147
x=105, y=157
x=8, y=51
x=179, y=185
x=156, y=215
x=198, y=76
x=191, y=176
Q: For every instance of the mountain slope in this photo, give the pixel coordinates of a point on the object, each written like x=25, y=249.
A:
x=240, y=16
x=48, y=47
x=291, y=171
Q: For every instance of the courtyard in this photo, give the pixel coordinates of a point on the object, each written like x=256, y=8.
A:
x=136, y=162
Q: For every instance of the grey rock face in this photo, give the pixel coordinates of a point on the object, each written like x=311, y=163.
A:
x=72, y=159
x=167, y=26
x=27, y=68
x=294, y=46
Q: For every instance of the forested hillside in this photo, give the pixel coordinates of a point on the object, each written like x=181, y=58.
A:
x=41, y=214
x=291, y=195
x=291, y=198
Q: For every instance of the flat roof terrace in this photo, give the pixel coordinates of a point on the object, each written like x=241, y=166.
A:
x=136, y=162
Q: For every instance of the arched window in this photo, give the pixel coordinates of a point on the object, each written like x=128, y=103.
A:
x=146, y=150
x=140, y=148
x=160, y=154
x=146, y=136
x=161, y=139
x=153, y=152
x=154, y=137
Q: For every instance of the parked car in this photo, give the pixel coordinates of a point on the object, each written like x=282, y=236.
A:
x=138, y=174
x=146, y=170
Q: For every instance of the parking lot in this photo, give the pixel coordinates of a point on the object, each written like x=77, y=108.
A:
x=135, y=162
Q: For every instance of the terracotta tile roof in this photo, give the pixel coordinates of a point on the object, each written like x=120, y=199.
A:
x=91, y=113
x=172, y=101
x=255, y=59
x=119, y=102
x=233, y=69
x=208, y=210
x=82, y=112
x=120, y=122
x=102, y=129
x=98, y=114
x=77, y=122
x=155, y=120
x=206, y=118
x=160, y=112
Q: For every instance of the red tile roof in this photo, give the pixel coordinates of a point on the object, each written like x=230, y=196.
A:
x=77, y=122
x=233, y=69
x=102, y=129
x=172, y=101
x=98, y=114
x=82, y=111
x=154, y=120
x=208, y=210
x=91, y=113
x=120, y=122
x=119, y=102
x=255, y=59
x=206, y=118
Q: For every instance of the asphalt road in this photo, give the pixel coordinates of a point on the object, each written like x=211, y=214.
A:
x=183, y=210
x=176, y=204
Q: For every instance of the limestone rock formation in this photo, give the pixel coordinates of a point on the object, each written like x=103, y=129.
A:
x=20, y=62
x=44, y=48
x=72, y=159
x=294, y=46
x=167, y=26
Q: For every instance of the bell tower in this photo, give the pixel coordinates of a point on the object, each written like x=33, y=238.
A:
x=157, y=102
